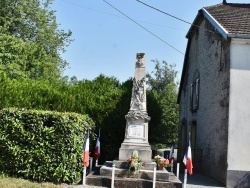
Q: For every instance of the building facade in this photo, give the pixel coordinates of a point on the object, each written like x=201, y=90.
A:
x=213, y=94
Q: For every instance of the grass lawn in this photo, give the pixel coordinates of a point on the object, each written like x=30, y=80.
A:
x=7, y=182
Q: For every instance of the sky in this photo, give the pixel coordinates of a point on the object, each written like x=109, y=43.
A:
x=108, y=33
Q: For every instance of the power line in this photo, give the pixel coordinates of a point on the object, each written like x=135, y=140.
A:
x=107, y=13
x=174, y=17
x=163, y=12
x=88, y=8
x=143, y=27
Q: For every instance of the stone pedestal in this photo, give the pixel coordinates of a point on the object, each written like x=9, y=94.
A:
x=127, y=149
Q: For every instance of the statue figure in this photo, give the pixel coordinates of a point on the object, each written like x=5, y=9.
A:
x=140, y=60
x=138, y=95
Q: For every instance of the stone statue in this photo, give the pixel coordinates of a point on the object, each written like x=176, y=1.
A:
x=138, y=94
x=140, y=59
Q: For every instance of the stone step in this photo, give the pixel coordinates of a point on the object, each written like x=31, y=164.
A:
x=105, y=181
x=106, y=170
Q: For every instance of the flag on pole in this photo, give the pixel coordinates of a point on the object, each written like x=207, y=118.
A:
x=171, y=153
x=187, y=160
x=86, y=151
x=97, y=147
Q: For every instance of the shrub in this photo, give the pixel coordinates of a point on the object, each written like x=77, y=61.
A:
x=42, y=145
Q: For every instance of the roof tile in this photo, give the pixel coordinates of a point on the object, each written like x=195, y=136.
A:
x=235, y=18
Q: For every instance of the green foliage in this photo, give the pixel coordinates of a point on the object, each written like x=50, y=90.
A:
x=163, y=75
x=162, y=104
x=40, y=94
x=30, y=41
x=42, y=145
x=103, y=99
x=99, y=97
x=113, y=126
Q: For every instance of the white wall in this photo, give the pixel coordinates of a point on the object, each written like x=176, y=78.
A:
x=239, y=106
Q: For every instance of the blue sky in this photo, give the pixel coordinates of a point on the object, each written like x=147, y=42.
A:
x=106, y=41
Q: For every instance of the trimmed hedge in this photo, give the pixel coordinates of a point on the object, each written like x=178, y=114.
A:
x=42, y=145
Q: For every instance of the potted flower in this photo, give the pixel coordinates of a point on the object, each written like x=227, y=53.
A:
x=134, y=162
x=161, y=162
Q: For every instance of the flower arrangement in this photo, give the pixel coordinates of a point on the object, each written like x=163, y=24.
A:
x=134, y=162
x=161, y=162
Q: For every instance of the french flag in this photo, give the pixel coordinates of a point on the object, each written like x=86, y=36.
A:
x=187, y=160
x=171, y=153
x=97, y=147
x=86, y=151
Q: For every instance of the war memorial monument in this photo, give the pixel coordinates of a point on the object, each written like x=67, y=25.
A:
x=136, y=139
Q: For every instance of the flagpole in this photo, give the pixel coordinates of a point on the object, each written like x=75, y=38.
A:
x=177, y=170
x=90, y=165
x=113, y=176
x=84, y=176
x=154, y=176
x=185, y=179
x=172, y=166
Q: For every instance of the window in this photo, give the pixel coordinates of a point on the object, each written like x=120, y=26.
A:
x=194, y=92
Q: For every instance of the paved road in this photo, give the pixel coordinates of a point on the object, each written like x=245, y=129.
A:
x=200, y=181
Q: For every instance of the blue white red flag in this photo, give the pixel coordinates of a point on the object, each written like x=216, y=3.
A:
x=85, y=160
x=97, y=147
x=171, y=153
x=187, y=160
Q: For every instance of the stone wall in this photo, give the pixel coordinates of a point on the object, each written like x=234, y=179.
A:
x=209, y=56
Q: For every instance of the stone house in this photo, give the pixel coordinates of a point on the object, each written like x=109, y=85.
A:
x=214, y=94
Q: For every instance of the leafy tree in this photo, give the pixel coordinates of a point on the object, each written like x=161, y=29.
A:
x=162, y=103
x=30, y=40
x=113, y=128
x=163, y=75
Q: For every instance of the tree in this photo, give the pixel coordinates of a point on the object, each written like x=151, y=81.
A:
x=162, y=103
x=30, y=39
x=162, y=76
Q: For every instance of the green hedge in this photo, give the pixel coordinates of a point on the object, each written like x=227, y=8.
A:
x=42, y=145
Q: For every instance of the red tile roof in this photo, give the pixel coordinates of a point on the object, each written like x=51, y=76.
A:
x=234, y=18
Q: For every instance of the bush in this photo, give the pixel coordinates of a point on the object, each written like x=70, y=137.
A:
x=42, y=145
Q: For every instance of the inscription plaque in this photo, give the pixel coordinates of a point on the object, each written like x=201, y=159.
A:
x=136, y=131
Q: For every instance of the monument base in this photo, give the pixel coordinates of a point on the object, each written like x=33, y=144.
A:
x=123, y=178
x=143, y=173
x=144, y=151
